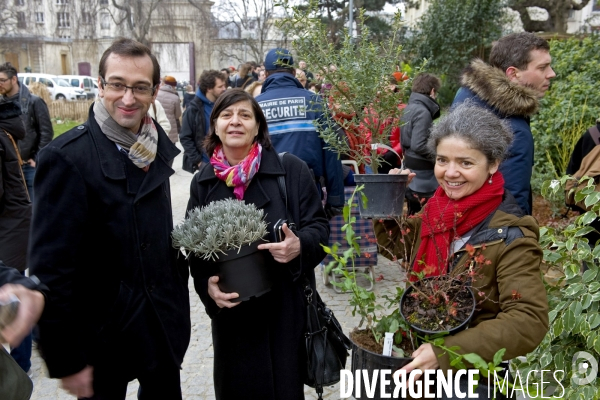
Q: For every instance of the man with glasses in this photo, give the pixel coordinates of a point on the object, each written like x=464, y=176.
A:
x=118, y=304
x=35, y=116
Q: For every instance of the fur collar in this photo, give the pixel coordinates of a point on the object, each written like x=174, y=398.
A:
x=492, y=86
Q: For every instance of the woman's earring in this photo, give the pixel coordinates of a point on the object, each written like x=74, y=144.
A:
x=490, y=181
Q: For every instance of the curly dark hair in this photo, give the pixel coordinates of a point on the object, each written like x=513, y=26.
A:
x=230, y=97
x=208, y=79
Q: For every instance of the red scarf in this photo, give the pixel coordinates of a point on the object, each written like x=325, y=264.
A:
x=445, y=220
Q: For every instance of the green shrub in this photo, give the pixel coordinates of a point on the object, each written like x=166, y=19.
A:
x=569, y=107
x=574, y=301
x=357, y=72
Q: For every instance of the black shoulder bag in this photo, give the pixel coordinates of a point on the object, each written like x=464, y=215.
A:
x=326, y=345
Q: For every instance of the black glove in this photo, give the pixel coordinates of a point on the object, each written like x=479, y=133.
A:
x=331, y=211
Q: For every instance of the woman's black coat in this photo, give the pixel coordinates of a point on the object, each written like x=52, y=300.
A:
x=259, y=344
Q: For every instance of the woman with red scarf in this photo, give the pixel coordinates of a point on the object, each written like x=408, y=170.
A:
x=472, y=210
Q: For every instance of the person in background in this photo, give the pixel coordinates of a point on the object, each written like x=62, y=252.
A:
x=584, y=145
x=157, y=112
x=472, y=209
x=117, y=308
x=255, y=88
x=309, y=75
x=416, y=122
x=262, y=75
x=268, y=357
x=188, y=96
x=245, y=77
x=169, y=99
x=301, y=76
x=511, y=85
x=290, y=111
x=196, y=119
x=35, y=116
x=227, y=72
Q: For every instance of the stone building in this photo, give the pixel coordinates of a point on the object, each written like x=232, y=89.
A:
x=69, y=36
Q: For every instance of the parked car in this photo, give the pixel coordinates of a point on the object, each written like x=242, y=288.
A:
x=95, y=89
x=59, y=88
x=82, y=82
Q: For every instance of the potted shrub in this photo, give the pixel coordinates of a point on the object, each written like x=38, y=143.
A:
x=438, y=304
x=355, y=72
x=226, y=234
x=376, y=320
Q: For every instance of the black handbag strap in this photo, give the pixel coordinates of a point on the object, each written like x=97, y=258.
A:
x=281, y=182
x=310, y=296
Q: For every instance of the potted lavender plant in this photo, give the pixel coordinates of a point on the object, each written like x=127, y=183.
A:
x=226, y=234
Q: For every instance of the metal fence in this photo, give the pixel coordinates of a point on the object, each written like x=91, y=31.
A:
x=72, y=110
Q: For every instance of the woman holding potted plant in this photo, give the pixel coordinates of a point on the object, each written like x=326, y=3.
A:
x=474, y=228
x=258, y=343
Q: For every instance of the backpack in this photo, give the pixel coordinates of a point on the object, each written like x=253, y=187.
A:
x=590, y=166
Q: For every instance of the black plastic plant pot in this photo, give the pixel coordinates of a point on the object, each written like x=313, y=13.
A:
x=244, y=272
x=452, y=331
x=363, y=359
x=384, y=193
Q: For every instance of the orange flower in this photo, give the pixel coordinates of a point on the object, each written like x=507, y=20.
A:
x=470, y=249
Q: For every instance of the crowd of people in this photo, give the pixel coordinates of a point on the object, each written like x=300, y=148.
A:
x=108, y=291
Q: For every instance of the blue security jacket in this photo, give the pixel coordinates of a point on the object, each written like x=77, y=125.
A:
x=489, y=87
x=290, y=111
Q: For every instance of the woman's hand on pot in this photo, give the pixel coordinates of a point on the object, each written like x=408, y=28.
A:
x=222, y=299
x=406, y=171
x=286, y=251
x=424, y=359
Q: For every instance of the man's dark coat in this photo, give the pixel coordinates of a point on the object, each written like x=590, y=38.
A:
x=101, y=243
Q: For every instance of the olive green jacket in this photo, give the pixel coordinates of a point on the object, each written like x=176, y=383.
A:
x=514, y=311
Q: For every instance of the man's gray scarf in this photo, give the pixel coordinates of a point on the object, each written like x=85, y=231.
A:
x=141, y=147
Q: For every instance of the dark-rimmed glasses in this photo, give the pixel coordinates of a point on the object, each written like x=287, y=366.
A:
x=138, y=91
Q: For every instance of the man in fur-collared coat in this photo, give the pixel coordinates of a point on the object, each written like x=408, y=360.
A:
x=511, y=85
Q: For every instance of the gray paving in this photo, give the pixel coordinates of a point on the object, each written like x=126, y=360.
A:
x=196, y=376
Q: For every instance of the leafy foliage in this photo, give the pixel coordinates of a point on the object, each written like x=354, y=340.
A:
x=450, y=34
x=357, y=72
x=364, y=302
x=574, y=301
x=568, y=108
x=220, y=226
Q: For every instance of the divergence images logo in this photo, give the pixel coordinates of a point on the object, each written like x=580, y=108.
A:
x=585, y=368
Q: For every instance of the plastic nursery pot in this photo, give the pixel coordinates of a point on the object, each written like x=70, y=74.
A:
x=244, y=272
x=367, y=360
x=384, y=193
x=452, y=331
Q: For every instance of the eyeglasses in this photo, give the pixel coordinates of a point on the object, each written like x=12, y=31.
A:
x=139, y=91
x=4, y=80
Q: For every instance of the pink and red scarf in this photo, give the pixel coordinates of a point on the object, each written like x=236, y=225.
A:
x=237, y=176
